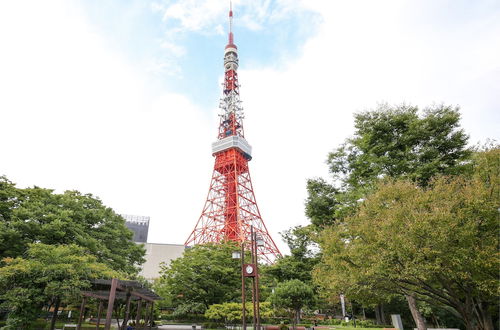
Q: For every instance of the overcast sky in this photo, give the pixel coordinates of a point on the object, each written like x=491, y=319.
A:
x=120, y=98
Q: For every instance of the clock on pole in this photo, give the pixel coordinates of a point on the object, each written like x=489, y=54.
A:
x=249, y=270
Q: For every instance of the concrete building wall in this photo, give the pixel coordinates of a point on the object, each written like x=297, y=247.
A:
x=157, y=253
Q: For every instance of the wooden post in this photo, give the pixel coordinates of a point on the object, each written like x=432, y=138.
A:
x=243, y=298
x=82, y=311
x=111, y=302
x=139, y=307
x=151, y=317
x=99, y=315
x=127, y=311
x=146, y=318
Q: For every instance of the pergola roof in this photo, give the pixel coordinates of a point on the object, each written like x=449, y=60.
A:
x=101, y=289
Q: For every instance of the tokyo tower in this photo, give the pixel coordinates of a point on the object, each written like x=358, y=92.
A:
x=230, y=209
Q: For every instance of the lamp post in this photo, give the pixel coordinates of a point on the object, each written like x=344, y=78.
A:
x=251, y=270
x=257, y=242
x=241, y=255
x=255, y=294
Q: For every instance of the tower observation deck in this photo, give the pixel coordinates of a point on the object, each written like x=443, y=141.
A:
x=231, y=209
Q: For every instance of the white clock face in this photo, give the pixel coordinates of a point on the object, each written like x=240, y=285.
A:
x=249, y=269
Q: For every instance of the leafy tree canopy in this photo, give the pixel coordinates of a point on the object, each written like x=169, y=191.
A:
x=203, y=276
x=46, y=273
x=294, y=295
x=394, y=141
x=322, y=201
x=390, y=141
x=437, y=243
x=300, y=263
x=36, y=214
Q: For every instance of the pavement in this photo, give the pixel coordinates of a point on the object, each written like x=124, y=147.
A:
x=178, y=327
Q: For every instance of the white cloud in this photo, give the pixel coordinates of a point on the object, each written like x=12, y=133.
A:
x=219, y=29
x=209, y=17
x=194, y=15
x=175, y=49
x=366, y=52
x=164, y=67
x=206, y=15
x=76, y=114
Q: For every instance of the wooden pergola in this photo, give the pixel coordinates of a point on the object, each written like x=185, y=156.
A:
x=127, y=291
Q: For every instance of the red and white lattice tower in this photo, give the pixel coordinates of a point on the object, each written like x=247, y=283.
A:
x=231, y=208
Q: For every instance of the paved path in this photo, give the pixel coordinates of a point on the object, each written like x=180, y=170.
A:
x=178, y=327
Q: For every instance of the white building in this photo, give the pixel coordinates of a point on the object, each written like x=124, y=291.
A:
x=156, y=254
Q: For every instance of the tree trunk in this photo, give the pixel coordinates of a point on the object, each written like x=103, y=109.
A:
x=382, y=314
x=436, y=322
x=417, y=317
x=469, y=324
x=466, y=313
x=484, y=317
x=377, y=315
x=297, y=316
x=54, y=314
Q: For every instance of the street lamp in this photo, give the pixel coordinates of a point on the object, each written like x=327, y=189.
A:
x=260, y=242
x=241, y=255
x=236, y=255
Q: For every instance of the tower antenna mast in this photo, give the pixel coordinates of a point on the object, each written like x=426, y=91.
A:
x=231, y=41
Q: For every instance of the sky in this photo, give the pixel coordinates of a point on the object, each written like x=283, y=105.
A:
x=119, y=98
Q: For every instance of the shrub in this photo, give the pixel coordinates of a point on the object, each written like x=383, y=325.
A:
x=367, y=324
x=283, y=326
x=167, y=317
x=330, y=322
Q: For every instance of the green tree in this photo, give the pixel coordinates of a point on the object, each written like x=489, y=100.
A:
x=203, y=276
x=296, y=266
x=10, y=199
x=301, y=261
x=321, y=202
x=46, y=273
x=39, y=215
x=390, y=141
x=438, y=244
x=294, y=295
x=160, y=289
x=394, y=141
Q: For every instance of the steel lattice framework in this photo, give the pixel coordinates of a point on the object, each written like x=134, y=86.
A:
x=230, y=209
